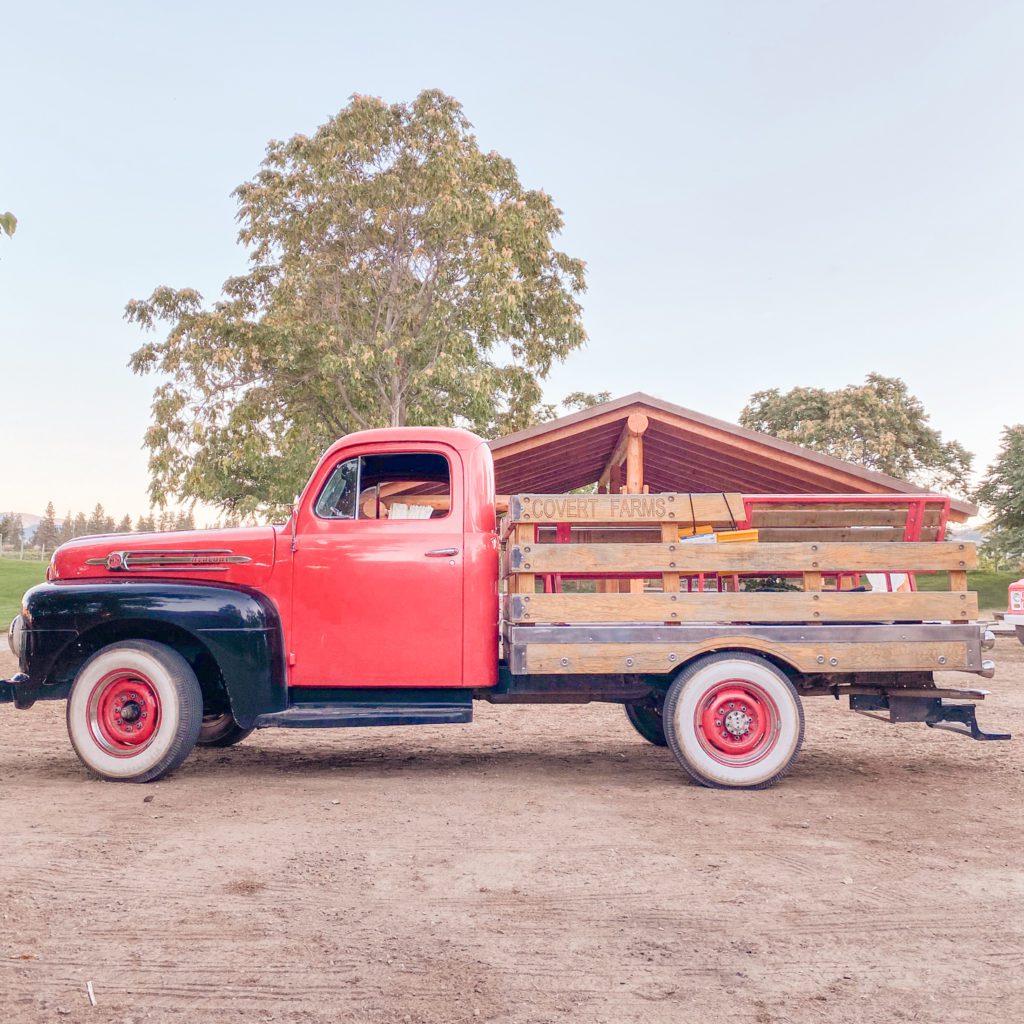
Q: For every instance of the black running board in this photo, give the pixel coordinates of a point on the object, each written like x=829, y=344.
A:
x=350, y=714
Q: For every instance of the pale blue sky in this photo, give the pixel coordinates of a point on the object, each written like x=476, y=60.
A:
x=767, y=194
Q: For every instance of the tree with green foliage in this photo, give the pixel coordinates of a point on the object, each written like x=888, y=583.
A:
x=877, y=424
x=399, y=275
x=99, y=521
x=12, y=530
x=577, y=401
x=1001, y=492
x=145, y=524
x=47, y=534
x=125, y=525
x=66, y=530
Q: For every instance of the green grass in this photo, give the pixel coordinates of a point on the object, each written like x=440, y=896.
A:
x=990, y=586
x=15, y=578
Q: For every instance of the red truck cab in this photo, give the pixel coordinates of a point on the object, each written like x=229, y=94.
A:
x=394, y=549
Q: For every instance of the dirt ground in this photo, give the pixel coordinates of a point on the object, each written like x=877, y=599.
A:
x=541, y=864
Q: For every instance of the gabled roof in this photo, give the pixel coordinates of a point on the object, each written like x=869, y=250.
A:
x=684, y=450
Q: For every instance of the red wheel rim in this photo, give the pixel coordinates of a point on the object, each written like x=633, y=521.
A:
x=124, y=713
x=737, y=722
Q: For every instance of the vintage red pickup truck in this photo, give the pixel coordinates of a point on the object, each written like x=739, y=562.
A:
x=393, y=596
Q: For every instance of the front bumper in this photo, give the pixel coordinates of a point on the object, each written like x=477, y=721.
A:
x=8, y=688
x=1017, y=621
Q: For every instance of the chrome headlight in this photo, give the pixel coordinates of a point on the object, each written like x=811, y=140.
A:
x=14, y=635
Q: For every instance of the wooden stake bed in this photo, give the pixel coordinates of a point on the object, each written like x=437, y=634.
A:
x=651, y=604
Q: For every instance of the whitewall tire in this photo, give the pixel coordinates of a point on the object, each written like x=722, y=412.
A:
x=135, y=711
x=733, y=720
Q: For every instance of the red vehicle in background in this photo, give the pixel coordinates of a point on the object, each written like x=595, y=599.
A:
x=379, y=603
x=1015, y=608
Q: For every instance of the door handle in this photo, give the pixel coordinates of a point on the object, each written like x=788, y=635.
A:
x=441, y=552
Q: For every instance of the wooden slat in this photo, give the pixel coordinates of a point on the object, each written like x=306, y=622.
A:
x=741, y=558
x=715, y=508
x=819, y=517
x=600, y=659
x=762, y=606
x=850, y=501
x=830, y=535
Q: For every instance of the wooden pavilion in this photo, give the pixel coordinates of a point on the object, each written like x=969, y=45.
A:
x=638, y=444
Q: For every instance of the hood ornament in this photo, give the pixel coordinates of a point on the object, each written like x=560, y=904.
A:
x=201, y=559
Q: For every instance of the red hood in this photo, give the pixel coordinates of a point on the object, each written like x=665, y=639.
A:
x=243, y=556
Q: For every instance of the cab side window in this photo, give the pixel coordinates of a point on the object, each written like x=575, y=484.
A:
x=412, y=485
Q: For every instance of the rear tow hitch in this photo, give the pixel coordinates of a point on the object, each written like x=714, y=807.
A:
x=933, y=711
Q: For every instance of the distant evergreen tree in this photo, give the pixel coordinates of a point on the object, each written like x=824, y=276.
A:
x=80, y=526
x=145, y=524
x=125, y=526
x=97, y=521
x=67, y=529
x=185, y=521
x=47, y=533
x=12, y=530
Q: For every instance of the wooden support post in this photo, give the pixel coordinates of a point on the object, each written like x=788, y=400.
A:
x=524, y=583
x=636, y=425
x=958, y=582
x=670, y=580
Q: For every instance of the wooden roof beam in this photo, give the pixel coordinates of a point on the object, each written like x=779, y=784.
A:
x=635, y=427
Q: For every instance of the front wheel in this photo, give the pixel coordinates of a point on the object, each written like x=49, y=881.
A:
x=135, y=711
x=733, y=720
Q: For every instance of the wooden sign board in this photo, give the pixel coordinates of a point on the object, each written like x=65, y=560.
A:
x=718, y=509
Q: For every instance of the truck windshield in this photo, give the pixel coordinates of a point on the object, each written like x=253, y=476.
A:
x=338, y=498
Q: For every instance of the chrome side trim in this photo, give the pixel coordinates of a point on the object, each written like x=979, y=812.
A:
x=196, y=559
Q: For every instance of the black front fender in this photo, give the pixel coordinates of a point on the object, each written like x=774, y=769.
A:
x=239, y=629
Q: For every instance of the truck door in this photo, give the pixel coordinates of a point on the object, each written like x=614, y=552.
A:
x=377, y=585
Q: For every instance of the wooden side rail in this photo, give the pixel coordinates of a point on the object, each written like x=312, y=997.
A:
x=852, y=517
x=754, y=606
x=745, y=558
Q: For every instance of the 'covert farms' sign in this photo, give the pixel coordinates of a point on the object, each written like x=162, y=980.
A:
x=634, y=508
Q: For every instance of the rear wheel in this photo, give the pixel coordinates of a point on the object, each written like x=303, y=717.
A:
x=221, y=730
x=135, y=711
x=734, y=720
x=646, y=719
